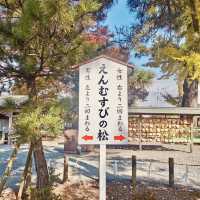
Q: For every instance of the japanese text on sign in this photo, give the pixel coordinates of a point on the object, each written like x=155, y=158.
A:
x=103, y=109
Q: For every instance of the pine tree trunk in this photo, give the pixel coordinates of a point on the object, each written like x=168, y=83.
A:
x=26, y=176
x=190, y=93
x=8, y=169
x=190, y=99
x=194, y=16
x=40, y=165
x=39, y=157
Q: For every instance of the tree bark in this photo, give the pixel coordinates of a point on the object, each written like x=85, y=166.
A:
x=9, y=167
x=194, y=16
x=26, y=176
x=40, y=165
x=190, y=93
x=39, y=157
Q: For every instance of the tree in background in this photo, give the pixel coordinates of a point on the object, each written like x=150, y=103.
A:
x=169, y=33
x=39, y=41
x=138, y=82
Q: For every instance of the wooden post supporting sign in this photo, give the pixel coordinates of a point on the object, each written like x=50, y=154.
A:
x=134, y=167
x=171, y=172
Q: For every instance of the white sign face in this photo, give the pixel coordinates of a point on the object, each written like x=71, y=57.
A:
x=103, y=103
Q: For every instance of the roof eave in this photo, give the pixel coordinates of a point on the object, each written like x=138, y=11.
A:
x=164, y=111
x=106, y=57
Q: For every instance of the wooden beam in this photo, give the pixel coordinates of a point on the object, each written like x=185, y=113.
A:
x=165, y=111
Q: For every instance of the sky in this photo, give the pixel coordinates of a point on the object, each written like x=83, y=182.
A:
x=119, y=15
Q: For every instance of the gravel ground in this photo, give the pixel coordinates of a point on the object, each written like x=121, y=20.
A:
x=119, y=191
x=151, y=163
x=124, y=191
